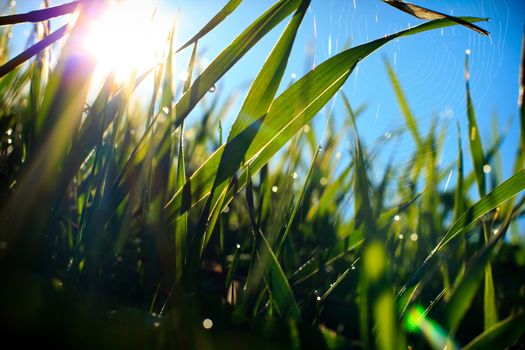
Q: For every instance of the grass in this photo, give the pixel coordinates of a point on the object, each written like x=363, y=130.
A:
x=121, y=228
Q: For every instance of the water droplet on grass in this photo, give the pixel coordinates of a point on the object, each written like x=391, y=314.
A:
x=212, y=89
x=207, y=323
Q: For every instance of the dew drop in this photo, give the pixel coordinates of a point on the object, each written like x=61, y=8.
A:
x=207, y=323
x=275, y=189
x=57, y=284
x=212, y=89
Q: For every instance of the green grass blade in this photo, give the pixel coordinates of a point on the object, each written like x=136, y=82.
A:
x=459, y=196
x=281, y=294
x=264, y=88
x=491, y=201
x=476, y=149
x=521, y=105
x=403, y=104
x=466, y=289
x=288, y=114
x=502, y=335
x=227, y=58
x=489, y=299
x=297, y=204
x=214, y=22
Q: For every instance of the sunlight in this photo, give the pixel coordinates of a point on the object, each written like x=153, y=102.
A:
x=128, y=37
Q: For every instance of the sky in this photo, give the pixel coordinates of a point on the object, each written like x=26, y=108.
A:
x=429, y=65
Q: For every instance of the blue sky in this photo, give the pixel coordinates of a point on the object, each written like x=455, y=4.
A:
x=429, y=65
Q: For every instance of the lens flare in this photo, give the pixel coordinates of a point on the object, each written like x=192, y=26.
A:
x=416, y=320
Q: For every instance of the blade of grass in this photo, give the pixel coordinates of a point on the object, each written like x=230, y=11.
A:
x=403, y=104
x=39, y=15
x=465, y=290
x=491, y=201
x=214, y=22
x=424, y=13
x=297, y=204
x=281, y=294
x=256, y=103
x=476, y=149
x=289, y=113
x=227, y=58
x=502, y=335
x=33, y=50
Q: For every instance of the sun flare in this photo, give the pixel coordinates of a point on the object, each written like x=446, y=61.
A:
x=128, y=37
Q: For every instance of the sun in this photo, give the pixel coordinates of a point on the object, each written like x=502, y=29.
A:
x=129, y=36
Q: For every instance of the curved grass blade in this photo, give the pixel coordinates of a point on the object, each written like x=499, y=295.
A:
x=424, y=13
x=214, y=22
x=491, y=201
x=465, y=289
x=288, y=114
x=257, y=103
x=502, y=335
x=39, y=15
x=227, y=58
